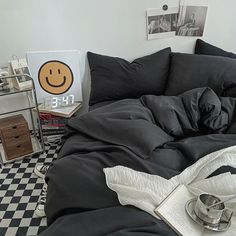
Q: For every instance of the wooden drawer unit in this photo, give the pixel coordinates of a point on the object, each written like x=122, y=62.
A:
x=15, y=137
x=14, y=130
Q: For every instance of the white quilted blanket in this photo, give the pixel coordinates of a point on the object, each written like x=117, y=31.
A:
x=146, y=191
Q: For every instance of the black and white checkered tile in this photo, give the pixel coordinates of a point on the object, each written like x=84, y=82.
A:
x=20, y=189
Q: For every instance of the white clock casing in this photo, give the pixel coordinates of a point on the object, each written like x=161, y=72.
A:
x=59, y=101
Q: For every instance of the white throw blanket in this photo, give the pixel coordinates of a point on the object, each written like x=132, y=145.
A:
x=146, y=191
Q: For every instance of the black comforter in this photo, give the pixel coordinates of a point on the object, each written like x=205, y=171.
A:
x=155, y=134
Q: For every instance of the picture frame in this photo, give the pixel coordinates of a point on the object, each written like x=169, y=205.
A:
x=56, y=73
x=192, y=18
x=20, y=66
x=161, y=22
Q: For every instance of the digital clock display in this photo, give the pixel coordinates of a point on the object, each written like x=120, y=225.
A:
x=59, y=101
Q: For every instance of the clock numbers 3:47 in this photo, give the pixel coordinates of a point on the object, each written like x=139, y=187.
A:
x=59, y=101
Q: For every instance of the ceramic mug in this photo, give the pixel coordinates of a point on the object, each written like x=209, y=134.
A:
x=210, y=215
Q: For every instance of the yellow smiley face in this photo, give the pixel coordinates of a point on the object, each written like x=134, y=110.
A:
x=55, y=77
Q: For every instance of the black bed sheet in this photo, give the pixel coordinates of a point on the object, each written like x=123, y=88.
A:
x=155, y=134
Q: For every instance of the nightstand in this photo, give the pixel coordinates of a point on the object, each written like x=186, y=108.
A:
x=20, y=137
x=15, y=137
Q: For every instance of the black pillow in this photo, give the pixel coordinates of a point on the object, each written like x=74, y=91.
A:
x=189, y=71
x=114, y=78
x=207, y=49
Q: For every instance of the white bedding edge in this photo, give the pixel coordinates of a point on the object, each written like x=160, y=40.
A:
x=146, y=191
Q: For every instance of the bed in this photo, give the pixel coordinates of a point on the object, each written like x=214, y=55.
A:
x=158, y=115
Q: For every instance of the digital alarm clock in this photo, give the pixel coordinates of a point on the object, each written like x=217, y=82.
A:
x=59, y=101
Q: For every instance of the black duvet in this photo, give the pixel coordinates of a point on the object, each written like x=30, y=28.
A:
x=159, y=135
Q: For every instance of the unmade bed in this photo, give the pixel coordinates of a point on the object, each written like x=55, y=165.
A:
x=181, y=108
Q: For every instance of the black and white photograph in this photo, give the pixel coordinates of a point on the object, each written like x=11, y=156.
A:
x=23, y=70
x=191, y=20
x=161, y=25
x=20, y=66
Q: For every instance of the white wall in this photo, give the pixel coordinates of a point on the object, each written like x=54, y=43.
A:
x=113, y=27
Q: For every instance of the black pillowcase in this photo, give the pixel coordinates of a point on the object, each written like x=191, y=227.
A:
x=189, y=71
x=205, y=48
x=113, y=78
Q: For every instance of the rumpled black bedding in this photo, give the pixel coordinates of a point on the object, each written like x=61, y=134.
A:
x=160, y=135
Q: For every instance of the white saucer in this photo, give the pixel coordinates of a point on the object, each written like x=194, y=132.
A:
x=222, y=226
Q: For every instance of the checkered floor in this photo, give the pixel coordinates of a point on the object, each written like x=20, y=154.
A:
x=20, y=189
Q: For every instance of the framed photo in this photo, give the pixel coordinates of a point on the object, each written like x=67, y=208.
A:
x=192, y=18
x=20, y=66
x=161, y=24
x=55, y=74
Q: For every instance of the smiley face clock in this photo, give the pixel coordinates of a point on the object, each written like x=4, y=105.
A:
x=57, y=76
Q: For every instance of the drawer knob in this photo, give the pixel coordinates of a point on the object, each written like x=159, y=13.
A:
x=17, y=137
x=18, y=146
x=14, y=127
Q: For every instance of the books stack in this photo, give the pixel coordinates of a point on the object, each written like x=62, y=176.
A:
x=65, y=112
x=53, y=121
x=52, y=126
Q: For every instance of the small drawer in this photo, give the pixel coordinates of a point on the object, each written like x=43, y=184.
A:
x=16, y=147
x=14, y=130
x=15, y=140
